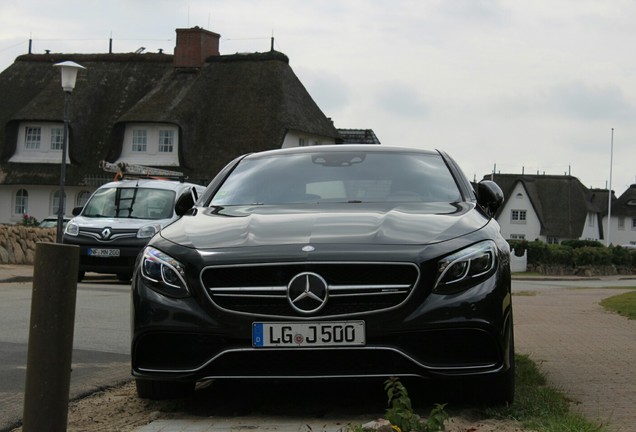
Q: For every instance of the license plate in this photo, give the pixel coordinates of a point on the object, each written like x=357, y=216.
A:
x=308, y=334
x=103, y=252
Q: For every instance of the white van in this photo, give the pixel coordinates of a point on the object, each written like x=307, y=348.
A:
x=121, y=217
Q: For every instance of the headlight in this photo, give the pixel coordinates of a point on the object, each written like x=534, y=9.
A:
x=72, y=229
x=163, y=273
x=148, y=231
x=463, y=269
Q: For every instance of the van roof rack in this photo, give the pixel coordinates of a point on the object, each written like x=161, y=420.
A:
x=123, y=169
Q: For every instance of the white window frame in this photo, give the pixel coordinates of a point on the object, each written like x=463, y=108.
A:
x=82, y=198
x=32, y=138
x=621, y=223
x=634, y=224
x=139, y=141
x=57, y=138
x=517, y=236
x=55, y=202
x=166, y=141
x=21, y=206
x=591, y=220
x=518, y=216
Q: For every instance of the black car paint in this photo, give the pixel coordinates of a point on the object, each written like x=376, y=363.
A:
x=245, y=234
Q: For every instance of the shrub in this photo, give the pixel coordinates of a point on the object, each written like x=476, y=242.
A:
x=592, y=256
x=537, y=252
x=576, y=244
x=560, y=255
x=574, y=253
x=622, y=256
x=518, y=246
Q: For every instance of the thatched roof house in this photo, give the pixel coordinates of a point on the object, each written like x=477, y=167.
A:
x=203, y=108
x=551, y=208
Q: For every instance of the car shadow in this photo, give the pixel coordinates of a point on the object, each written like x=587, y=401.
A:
x=308, y=398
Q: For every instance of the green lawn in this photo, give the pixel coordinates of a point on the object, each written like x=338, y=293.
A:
x=622, y=304
x=538, y=406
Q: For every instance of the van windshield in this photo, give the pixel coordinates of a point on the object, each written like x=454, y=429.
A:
x=133, y=203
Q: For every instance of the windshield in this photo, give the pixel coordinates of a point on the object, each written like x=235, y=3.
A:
x=134, y=203
x=339, y=177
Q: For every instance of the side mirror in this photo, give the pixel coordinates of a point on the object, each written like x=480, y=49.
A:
x=489, y=196
x=76, y=211
x=186, y=201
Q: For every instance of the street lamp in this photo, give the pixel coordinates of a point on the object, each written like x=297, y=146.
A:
x=69, y=75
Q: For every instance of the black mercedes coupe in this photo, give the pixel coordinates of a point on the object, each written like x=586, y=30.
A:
x=343, y=261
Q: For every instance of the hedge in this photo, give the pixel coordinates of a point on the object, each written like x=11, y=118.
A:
x=574, y=253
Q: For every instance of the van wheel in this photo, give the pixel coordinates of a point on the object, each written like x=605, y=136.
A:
x=124, y=277
x=159, y=390
x=80, y=276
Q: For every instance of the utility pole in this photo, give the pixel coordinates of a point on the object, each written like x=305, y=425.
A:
x=609, y=192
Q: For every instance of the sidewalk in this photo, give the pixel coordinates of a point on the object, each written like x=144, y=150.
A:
x=16, y=273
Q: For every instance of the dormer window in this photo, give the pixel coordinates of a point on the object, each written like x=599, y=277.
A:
x=151, y=144
x=32, y=138
x=57, y=138
x=140, y=140
x=166, y=141
x=39, y=143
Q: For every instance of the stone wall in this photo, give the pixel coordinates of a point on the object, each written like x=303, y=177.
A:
x=17, y=242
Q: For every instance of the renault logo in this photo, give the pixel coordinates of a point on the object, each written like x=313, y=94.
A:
x=307, y=292
x=106, y=233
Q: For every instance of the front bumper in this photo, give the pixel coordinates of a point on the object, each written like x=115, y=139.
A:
x=465, y=334
x=123, y=263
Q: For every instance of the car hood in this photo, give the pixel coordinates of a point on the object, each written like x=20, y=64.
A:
x=360, y=223
x=117, y=223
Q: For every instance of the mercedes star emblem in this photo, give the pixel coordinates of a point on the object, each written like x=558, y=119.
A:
x=307, y=292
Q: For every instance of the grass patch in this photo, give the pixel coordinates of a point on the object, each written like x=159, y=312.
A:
x=622, y=304
x=538, y=406
x=524, y=293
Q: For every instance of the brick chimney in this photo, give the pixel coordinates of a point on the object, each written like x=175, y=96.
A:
x=194, y=45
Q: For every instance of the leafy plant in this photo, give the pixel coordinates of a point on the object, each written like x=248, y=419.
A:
x=400, y=412
x=28, y=220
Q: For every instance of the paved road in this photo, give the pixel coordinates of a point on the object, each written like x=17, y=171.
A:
x=101, y=340
x=588, y=353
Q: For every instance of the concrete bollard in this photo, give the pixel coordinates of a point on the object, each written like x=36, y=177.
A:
x=48, y=374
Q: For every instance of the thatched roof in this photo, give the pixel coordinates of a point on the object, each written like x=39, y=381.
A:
x=232, y=105
x=625, y=205
x=561, y=202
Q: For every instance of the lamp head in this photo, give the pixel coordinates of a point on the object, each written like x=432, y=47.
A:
x=69, y=74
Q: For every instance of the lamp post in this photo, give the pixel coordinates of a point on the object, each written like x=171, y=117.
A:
x=69, y=71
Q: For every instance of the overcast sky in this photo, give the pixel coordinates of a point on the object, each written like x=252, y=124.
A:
x=521, y=85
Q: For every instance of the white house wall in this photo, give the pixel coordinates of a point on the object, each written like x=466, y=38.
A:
x=297, y=139
x=618, y=235
x=591, y=229
x=531, y=229
x=40, y=203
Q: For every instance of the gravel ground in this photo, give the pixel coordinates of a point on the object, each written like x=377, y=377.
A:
x=118, y=409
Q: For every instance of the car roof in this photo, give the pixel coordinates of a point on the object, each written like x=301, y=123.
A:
x=340, y=148
x=149, y=183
